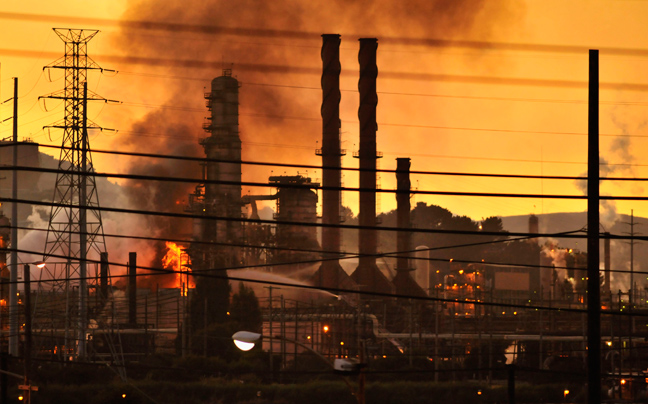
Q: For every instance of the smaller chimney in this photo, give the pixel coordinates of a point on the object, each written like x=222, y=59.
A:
x=533, y=224
x=607, y=266
x=103, y=276
x=403, y=281
x=132, y=288
x=403, y=240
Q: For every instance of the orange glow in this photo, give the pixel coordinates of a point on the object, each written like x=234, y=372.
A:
x=178, y=260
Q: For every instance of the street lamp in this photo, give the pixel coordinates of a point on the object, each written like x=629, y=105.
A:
x=245, y=340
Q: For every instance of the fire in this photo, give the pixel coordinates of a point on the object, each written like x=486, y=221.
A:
x=177, y=259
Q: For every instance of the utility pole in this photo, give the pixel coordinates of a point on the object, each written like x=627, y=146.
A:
x=593, y=218
x=27, y=388
x=631, y=292
x=631, y=297
x=83, y=230
x=13, y=273
x=270, y=288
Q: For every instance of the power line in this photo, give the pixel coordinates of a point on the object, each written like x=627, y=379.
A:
x=311, y=186
x=449, y=96
x=399, y=125
x=399, y=75
x=291, y=223
x=202, y=159
x=352, y=255
x=307, y=166
x=302, y=34
x=213, y=273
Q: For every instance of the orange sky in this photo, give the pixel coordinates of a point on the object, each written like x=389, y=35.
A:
x=491, y=124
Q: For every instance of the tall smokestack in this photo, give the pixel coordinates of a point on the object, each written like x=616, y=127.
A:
x=132, y=288
x=404, y=283
x=367, y=275
x=330, y=273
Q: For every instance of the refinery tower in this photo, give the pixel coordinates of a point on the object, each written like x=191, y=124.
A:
x=219, y=198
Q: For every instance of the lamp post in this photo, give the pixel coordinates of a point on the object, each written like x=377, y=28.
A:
x=245, y=340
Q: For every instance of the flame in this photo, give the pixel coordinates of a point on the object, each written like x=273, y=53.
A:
x=177, y=259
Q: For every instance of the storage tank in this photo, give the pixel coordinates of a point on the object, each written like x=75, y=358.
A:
x=296, y=203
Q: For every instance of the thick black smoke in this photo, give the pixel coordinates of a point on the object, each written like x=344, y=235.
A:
x=284, y=36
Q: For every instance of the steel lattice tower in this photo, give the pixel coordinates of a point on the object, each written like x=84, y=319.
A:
x=75, y=231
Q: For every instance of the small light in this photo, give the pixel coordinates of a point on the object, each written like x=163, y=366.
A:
x=341, y=342
x=20, y=398
x=515, y=313
x=461, y=272
x=565, y=393
x=609, y=343
x=325, y=328
x=124, y=395
x=308, y=337
x=228, y=313
x=623, y=381
x=479, y=392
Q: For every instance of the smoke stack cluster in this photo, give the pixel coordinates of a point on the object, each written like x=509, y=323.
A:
x=367, y=275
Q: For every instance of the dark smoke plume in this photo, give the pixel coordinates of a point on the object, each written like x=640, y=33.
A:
x=444, y=20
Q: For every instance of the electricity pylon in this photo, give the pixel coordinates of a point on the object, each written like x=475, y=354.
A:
x=75, y=230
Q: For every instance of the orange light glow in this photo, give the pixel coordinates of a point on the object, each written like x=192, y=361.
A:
x=178, y=260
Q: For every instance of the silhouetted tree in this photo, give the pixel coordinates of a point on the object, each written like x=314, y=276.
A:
x=245, y=310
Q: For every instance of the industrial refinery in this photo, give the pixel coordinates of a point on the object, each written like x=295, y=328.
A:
x=460, y=300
